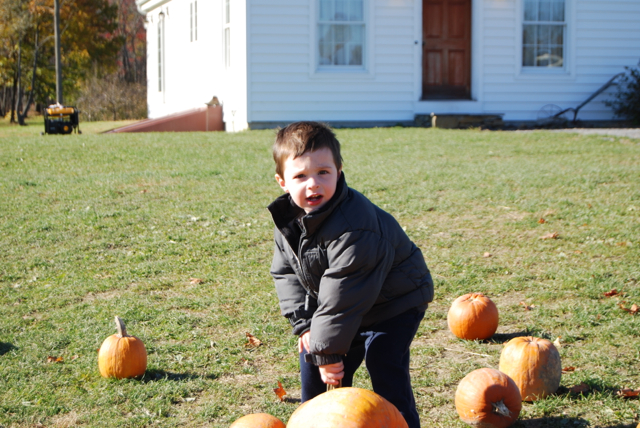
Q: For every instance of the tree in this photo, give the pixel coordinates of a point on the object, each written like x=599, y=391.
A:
x=88, y=41
x=132, y=58
x=626, y=101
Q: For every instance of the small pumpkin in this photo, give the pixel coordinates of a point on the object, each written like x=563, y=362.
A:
x=258, y=420
x=347, y=407
x=122, y=356
x=488, y=398
x=473, y=316
x=534, y=365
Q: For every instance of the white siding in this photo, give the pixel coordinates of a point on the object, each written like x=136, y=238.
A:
x=273, y=79
x=233, y=88
x=284, y=85
x=603, y=37
x=194, y=70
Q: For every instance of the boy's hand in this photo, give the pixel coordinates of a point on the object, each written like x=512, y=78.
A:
x=303, y=341
x=332, y=373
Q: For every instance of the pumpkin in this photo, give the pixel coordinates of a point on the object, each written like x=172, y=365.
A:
x=488, y=398
x=534, y=365
x=122, y=356
x=473, y=316
x=258, y=420
x=347, y=408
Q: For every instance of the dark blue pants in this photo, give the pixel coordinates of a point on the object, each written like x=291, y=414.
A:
x=384, y=347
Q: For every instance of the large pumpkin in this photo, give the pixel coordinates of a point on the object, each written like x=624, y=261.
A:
x=122, y=356
x=473, y=316
x=258, y=420
x=347, y=408
x=534, y=365
x=488, y=398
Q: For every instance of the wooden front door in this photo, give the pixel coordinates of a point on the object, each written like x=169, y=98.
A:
x=446, y=49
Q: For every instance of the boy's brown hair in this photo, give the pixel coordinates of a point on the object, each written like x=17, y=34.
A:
x=301, y=137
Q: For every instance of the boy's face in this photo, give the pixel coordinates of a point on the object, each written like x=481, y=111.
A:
x=310, y=179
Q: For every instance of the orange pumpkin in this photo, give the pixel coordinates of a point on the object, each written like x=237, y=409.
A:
x=122, y=356
x=347, y=408
x=258, y=420
x=488, y=398
x=473, y=316
x=534, y=365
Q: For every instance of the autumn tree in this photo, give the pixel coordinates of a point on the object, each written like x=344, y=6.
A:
x=27, y=72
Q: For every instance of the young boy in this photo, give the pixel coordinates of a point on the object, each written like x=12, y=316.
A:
x=352, y=284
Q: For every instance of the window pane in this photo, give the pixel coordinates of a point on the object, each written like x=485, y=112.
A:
x=543, y=42
x=528, y=56
x=341, y=32
x=557, y=13
x=326, y=10
x=356, y=44
x=542, y=57
x=530, y=10
x=543, y=35
x=326, y=45
x=341, y=44
x=356, y=11
x=544, y=10
x=556, y=57
x=529, y=34
x=342, y=10
x=556, y=35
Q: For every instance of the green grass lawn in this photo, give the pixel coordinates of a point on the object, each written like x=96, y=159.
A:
x=169, y=231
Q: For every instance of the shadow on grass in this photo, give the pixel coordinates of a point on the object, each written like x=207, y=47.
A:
x=552, y=421
x=505, y=337
x=6, y=347
x=158, y=375
x=560, y=422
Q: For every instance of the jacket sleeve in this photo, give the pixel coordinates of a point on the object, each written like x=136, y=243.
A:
x=295, y=304
x=358, y=263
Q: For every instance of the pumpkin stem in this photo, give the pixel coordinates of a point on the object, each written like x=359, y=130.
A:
x=501, y=409
x=122, y=330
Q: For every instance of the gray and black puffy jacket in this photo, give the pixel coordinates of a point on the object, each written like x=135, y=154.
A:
x=347, y=265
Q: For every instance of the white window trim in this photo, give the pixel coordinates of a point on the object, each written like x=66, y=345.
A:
x=161, y=53
x=568, y=68
x=333, y=72
x=226, y=26
x=193, y=21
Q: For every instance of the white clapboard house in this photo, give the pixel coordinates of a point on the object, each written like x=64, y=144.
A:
x=382, y=62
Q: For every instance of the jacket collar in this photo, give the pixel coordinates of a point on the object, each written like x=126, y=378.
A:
x=284, y=212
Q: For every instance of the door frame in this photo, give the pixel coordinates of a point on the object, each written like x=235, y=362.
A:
x=476, y=60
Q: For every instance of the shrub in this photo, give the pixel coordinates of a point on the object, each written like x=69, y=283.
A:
x=626, y=102
x=112, y=98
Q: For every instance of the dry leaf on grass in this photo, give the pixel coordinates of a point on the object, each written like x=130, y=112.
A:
x=527, y=307
x=552, y=235
x=280, y=392
x=51, y=359
x=557, y=343
x=613, y=292
x=632, y=310
x=252, y=341
x=628, y=393
x=195, y=281
x=542, y=221
x=570, y=369
x=577, y=389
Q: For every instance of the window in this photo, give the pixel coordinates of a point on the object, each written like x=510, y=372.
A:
x=194, y=20
x=160, y=50
x=227, y=33
x=341, y=33
x=544, y=33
